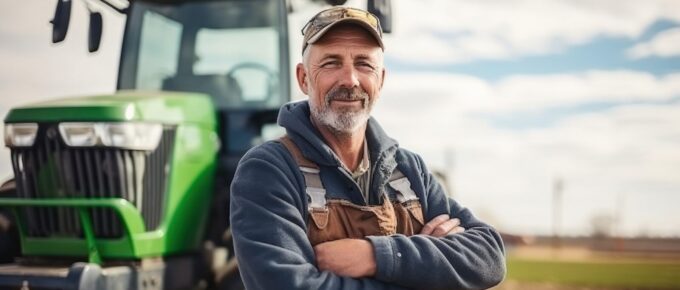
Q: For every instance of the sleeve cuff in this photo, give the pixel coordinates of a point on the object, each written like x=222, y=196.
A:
x=386, y=259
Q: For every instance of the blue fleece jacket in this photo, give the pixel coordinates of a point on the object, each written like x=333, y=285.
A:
x=269, y=219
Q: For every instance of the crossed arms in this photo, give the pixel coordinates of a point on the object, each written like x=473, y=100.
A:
x=355, y=257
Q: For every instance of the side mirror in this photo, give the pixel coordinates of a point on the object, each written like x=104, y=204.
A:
x=62, y=16
x=95, y=34
x=383, y=10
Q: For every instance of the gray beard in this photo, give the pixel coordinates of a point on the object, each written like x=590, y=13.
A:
x=342, y=122
x=346, y=122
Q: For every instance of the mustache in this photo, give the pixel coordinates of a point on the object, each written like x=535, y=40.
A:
x=346, y=94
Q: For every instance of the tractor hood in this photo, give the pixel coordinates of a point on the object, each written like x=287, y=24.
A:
x=163, y=107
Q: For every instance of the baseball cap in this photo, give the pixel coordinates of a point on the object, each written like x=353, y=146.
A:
x=323, y=21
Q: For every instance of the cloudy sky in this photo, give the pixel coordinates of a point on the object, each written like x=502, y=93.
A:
x=504, y=96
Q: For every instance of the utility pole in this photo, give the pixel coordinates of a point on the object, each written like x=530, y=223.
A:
x=558, y=188
x=618, y=219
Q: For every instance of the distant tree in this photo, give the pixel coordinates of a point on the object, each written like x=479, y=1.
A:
x=602, y=225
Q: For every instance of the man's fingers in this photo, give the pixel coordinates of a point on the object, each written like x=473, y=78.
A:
x=432, y=224
x=446, y=227
x=457, y=230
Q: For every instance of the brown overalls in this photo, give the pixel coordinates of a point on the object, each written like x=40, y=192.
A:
x=340, y=219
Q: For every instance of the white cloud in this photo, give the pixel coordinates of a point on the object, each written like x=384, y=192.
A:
x=664, y=44
x=628, y=149
x=527, y=93
x=460, y=31
x=540, y=92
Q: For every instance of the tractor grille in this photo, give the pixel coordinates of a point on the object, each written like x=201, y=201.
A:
x=50, y=169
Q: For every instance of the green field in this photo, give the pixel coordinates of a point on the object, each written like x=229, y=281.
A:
x=636, y=274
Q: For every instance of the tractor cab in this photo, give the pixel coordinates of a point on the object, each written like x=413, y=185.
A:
x=236, y=51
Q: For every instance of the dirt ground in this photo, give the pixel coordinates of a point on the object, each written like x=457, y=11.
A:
x=581, y=254
x=513, y=285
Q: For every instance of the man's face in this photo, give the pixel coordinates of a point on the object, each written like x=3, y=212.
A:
x=342, y=74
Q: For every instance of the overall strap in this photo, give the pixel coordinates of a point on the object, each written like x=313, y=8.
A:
x=402, y=186
x=310, y=170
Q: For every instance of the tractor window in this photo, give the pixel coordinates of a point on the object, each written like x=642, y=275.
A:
x=248, y=56
x=159, y=50
x=235, y=52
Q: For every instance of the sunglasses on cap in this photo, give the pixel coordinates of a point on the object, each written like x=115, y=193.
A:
x=324, y=20
x=328, y=16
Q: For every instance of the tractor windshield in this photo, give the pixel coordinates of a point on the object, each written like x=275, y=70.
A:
x=234, y=51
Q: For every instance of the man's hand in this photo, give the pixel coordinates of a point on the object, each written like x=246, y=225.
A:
x=442, y=225
x=347, y=257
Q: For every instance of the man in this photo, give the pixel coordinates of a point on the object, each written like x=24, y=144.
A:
x=336, y=204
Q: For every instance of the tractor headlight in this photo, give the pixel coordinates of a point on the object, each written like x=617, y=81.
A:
x=139, y=136
x=135, y=136
x=78, y=134
x=20, y=134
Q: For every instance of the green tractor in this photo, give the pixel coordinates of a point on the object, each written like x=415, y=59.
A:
x=131, y=190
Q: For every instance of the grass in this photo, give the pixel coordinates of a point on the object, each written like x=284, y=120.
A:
x=637, y=274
